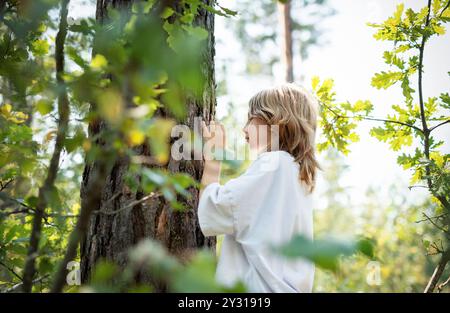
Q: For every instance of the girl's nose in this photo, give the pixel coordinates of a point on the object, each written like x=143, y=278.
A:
x=245, y=129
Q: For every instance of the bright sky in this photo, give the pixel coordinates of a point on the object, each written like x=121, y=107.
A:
x=350, y=57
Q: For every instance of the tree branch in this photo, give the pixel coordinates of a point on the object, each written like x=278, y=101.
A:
x=372, y=119
x=63, y=110
x=89, y=202
x=440, y=124
x=433, y=217
x=11, y=270
x=5, y=185
x=130, y=205
x=426, y=144
x=434, y=223
x=445, y=8
x=443, y=284
x=17, y=286
x=420, y=69
x=445, y=257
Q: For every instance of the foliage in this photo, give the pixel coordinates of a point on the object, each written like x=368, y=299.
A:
x=402, y=237
x=325, y=253
x=149, y=256
x=125, y=82
x=337, y=127
x=411, y=123
x=128, y=79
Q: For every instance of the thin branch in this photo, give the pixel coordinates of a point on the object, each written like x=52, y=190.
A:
x=426, y=131
x=27, y=209
x=433, y=217
x=417, y=186
x=19, y=211
x=130, y=205
x=63, y=215
x=438, y=272
x=91, y=200
x=63, y=111
x=5, y=197
x=373, y=119
x=438, y=250
x=432, y=222
x=11, y=270
x=17, y=286
x=440, y=124
x=441, y=286
x=113, y=197
x=391, y=121
x=4, y=186
x=445, y=8
x=31, y=211
x=420, y=69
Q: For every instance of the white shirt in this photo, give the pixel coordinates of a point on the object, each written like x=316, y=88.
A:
x=264, y=206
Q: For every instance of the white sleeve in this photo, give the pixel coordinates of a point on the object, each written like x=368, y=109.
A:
x=220, y=206
x=215, y=210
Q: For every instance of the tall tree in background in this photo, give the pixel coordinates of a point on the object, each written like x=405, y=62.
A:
x=260, y=39
x=112, y=231
x=284, y=8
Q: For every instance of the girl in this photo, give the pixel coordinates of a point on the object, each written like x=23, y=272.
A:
x=272, y=200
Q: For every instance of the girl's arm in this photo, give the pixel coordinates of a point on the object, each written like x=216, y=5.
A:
x=211, y=173
x=215, y=135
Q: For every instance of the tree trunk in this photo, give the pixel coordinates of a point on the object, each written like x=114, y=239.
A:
x=285, y=21
x=110, y=236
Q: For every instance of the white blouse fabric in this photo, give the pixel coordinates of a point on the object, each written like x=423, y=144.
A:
x=266, y=205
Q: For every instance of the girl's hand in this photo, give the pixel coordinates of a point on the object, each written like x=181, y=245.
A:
x=214, y=136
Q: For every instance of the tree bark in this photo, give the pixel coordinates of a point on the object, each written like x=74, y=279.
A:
x=287, y=58
x=109, y=236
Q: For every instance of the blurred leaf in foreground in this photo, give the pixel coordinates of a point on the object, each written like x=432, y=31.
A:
x=325, y=253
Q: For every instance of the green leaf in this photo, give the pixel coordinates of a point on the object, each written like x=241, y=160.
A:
x=44, y=106
x=198, y=275
x=361, y=105
x=74, y=142
x=315, y=82
x=324, y=253
x=11, y=234
x=159, y=137
x=386, y=79
x=198, y=32
x=366, y=246
x=398, y=13
x=392, y=59
x=228, y=11
x=75, y=56
x=167, y=12
x=40, y=47
x=438, y=29
x=406, y=88
x=445, y=98
x=430, y=106
x=187, y=18
x=379, y=133
x=98, y=62
x=154, y=176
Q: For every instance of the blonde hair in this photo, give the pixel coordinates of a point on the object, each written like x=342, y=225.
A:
x=295, y=112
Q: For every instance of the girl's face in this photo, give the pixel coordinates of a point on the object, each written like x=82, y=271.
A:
x=257, y=133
